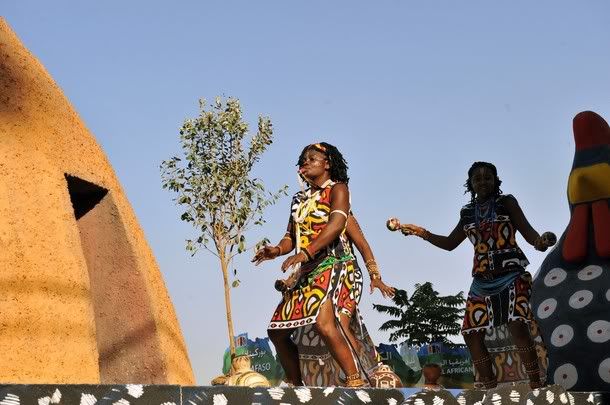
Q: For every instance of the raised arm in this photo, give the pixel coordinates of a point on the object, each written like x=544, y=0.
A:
x=450, y=242
x=339, y=208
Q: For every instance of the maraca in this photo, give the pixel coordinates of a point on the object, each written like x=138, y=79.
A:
x=393, y=224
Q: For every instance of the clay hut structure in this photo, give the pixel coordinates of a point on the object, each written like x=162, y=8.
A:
x=82, y=299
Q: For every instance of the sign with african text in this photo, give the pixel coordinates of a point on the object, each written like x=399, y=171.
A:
x=261, y=357
x=407, y=362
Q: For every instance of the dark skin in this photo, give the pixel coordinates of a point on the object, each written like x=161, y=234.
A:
x=354, y=233
x=317, y=166
x=352, y=229
x=316, y=169
x=483, y=182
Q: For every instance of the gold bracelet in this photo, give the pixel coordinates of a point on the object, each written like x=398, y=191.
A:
x=279, y=248
x=352, y=377
x=373, y=269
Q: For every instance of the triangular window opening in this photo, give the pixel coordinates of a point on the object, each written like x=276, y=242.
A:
x=84, y=195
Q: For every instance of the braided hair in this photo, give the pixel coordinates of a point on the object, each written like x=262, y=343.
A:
x=493, y=170
x=338, y=165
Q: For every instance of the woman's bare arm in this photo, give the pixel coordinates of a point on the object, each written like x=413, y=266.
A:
x=339, y=201
x=355, y=234
x=449, y=242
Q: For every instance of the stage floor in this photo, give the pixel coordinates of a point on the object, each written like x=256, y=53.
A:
x=220, y=395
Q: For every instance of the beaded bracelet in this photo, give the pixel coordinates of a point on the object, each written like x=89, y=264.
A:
x=425, y=234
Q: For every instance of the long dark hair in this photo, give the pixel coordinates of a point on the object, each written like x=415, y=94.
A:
x=493, y=170
x=338, y=165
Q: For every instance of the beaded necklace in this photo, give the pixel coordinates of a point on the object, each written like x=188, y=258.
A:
x=488, y=215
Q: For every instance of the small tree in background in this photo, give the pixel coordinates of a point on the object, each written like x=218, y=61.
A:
x=424, y=318
x=214, y=184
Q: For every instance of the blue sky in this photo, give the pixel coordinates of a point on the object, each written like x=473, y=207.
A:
x=411, y=92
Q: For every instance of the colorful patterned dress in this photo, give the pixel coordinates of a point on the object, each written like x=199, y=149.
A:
x=501, y=288
x=331, y=274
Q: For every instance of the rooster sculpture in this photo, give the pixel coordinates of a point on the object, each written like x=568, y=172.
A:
x=571, y=292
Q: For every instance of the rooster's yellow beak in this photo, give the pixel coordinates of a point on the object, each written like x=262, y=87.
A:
x=589, y=183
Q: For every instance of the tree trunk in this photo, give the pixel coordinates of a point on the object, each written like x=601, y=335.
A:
x=225, y=277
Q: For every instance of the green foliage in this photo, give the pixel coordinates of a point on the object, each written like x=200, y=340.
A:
x=213, y=181
x=424, y=318
x=214, y=185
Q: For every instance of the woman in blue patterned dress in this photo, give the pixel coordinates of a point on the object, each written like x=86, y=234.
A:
x=501, y=288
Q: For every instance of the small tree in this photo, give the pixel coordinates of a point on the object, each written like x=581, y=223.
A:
x=214, y=184
x=424, y=318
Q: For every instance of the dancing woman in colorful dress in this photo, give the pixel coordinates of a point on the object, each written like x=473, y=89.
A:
x=316, y=328
x=501, y=287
